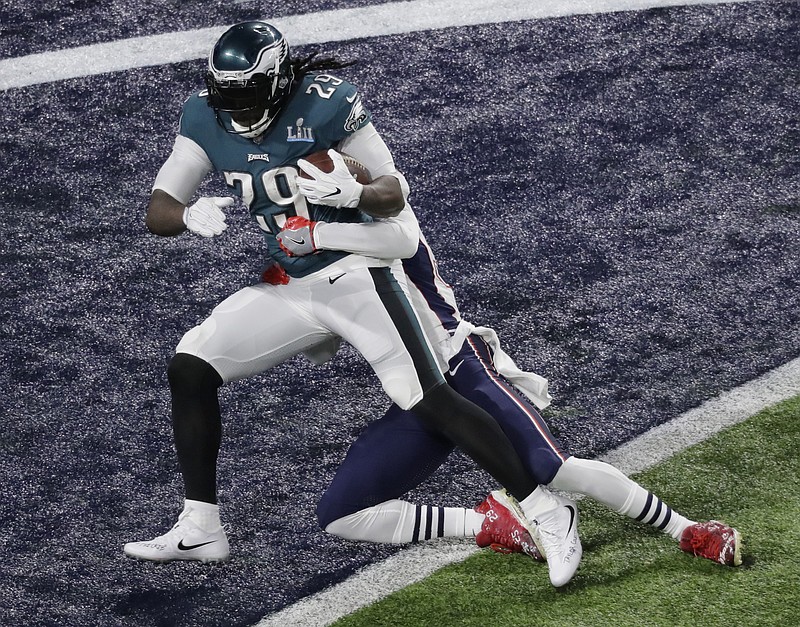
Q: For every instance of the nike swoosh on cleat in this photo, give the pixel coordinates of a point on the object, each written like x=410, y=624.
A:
x=338, y=190
x=571, y=517
x=183, y=547
x=454, y=370
x=300, y=241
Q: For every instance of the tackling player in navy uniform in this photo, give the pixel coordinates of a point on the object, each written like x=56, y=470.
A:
x=261, y=113
x=397, y=453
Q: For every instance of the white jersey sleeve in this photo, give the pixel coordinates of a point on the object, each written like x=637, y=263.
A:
x=184, y=170
x=368, y=147
x=389, y=238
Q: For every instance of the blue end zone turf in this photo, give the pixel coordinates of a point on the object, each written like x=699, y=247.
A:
x=618, y=195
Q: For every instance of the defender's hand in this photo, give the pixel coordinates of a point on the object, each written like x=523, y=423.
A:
x=297, y=237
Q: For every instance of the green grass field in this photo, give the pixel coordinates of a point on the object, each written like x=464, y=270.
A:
x=748, y=476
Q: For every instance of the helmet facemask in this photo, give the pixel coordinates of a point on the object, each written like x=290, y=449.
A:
x=249, y=71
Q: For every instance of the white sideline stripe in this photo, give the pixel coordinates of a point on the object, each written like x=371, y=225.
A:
x=339, y=25
x=377, y=581
x=699, y=424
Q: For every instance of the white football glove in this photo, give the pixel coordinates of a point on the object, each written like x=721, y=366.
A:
x=338, y=188
x=205, y=217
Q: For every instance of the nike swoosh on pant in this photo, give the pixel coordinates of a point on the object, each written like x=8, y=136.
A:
x=454, y=370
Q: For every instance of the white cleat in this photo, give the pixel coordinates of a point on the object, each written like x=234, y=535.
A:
x=556, y=534
x=185, y=541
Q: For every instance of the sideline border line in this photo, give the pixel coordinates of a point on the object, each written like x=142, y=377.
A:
x=376, y=581
x=337, y=25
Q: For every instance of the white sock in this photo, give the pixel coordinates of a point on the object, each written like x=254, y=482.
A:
x=400, y=522
x=473, y=521
x=204, y=515
x=538, y=501
x=605, y=483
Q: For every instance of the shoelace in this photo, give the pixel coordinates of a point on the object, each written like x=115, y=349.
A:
x=548, y=538
x=708, y=544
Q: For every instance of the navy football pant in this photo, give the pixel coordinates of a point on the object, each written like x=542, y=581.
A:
x=397, y=452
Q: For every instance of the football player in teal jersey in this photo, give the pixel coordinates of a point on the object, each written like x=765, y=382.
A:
x=260, y=115
x=262, y=166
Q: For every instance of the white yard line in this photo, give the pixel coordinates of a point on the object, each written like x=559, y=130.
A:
x=377, y=581
x=382, y=19
x=696, y=425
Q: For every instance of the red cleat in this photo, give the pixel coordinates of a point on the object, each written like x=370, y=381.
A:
x=502, y=531
x=715, y=541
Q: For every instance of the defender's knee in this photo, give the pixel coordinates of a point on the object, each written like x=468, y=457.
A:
x=326, y=512
x=388, y=522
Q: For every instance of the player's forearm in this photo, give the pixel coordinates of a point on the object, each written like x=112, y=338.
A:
x=164, y=214
x=394, y=238
x=383, y=198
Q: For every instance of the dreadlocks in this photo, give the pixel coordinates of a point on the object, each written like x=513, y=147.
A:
x=308, y=64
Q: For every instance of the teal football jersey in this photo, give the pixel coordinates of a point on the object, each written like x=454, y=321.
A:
x=320, y=112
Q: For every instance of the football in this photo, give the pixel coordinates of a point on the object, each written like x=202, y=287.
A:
x=321, y=160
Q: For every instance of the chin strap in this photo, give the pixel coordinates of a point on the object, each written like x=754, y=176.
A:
x=251, y=132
